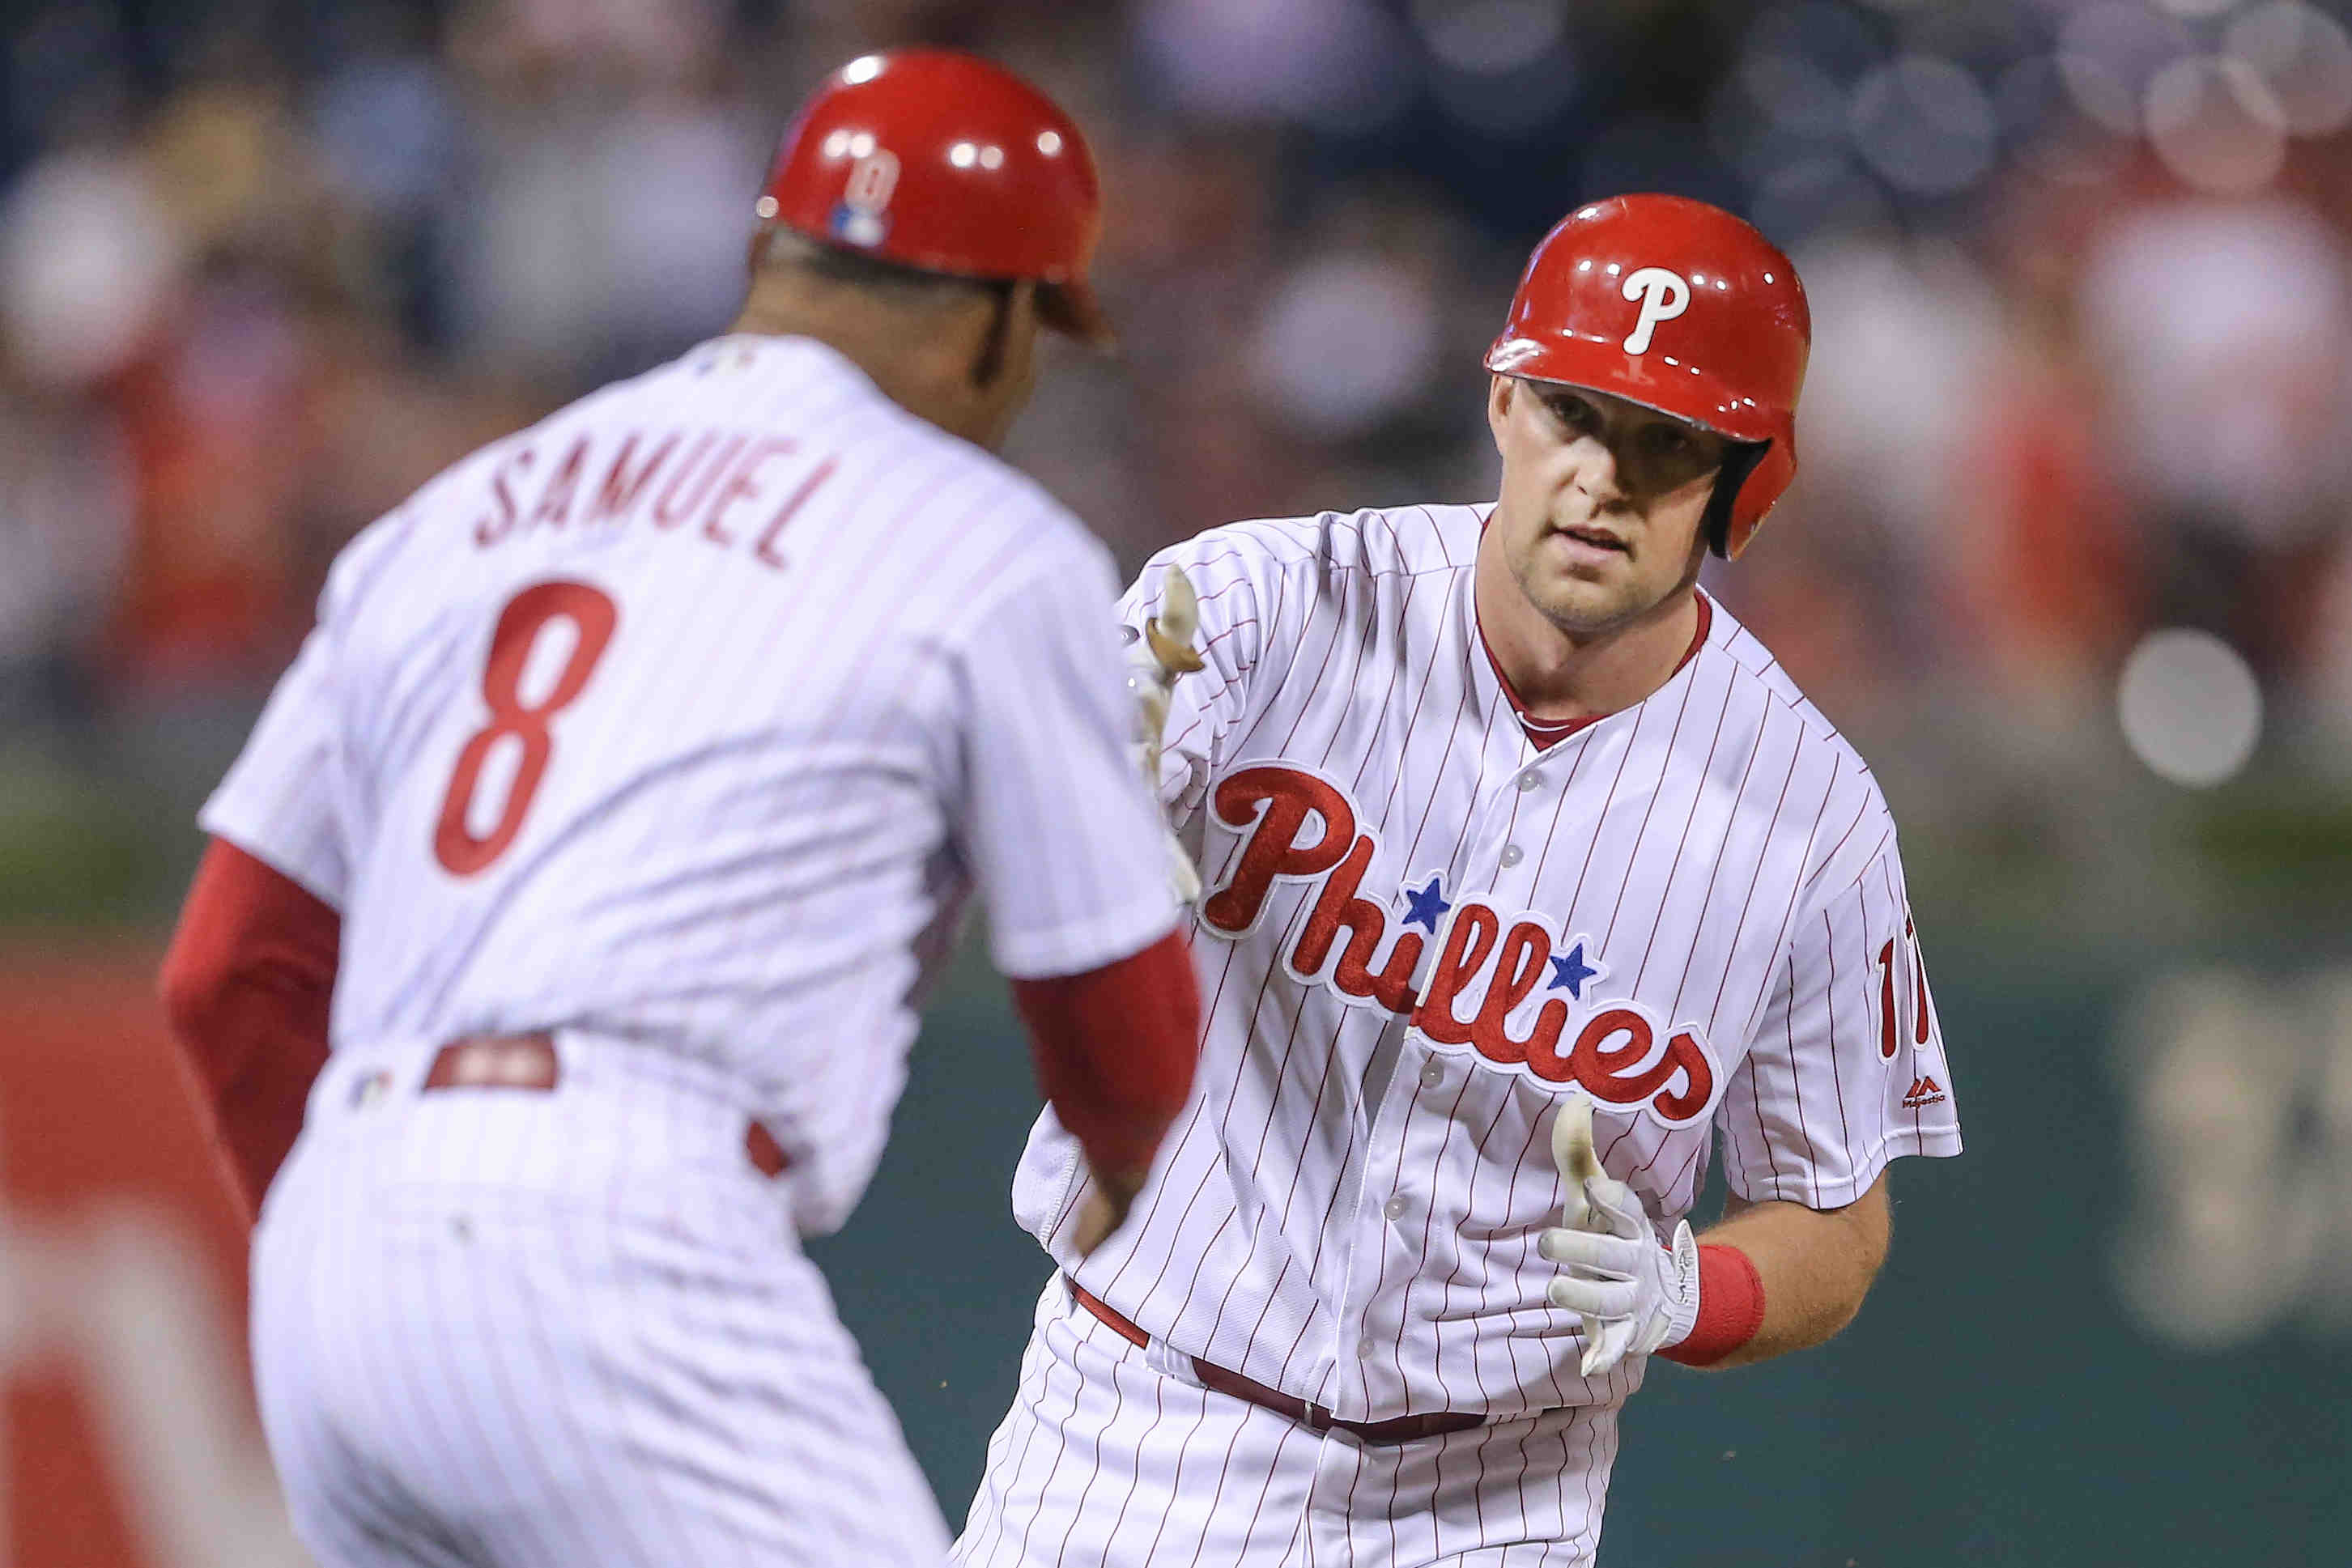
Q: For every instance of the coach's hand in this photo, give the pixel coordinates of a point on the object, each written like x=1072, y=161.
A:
x=1104, y=1208
x=1635, y=1294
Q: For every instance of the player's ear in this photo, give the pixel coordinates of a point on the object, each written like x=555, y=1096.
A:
x=1501, y=391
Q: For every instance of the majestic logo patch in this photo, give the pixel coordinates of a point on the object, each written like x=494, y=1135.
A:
x=1924, y=1091
x=1506, y=972
x=1664, y=295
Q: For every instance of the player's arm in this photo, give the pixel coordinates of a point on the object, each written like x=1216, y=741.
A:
x=1773, y=1277
x=1068, y=846
x=1847, y=1072
x=1813, y=1269
x=1114, y=1049
x=251, y=967
x=246, y=985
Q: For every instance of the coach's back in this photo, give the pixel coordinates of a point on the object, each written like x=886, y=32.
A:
x=688, y=714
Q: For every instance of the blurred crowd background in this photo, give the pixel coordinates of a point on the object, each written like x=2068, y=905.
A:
x=2079, y=270
x=2070, y=559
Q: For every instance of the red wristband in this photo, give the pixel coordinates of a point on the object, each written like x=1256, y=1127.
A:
x=1730, y=1307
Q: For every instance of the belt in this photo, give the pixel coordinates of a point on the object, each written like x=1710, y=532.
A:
x=530, y=1061
x=1314, y=1417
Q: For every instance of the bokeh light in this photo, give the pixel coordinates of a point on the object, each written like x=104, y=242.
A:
x=1924, y=124
x=2215, y=123
x=2305, y=57
x=1345, y=343
x=2108, y=52
x=1490, y=38
x=87, y=256
x=2190, y=707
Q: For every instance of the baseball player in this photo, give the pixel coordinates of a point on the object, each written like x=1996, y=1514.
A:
x=1530, y=876
x=629, y=788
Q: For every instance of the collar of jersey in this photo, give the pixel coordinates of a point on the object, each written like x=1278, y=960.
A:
x=1545, y=733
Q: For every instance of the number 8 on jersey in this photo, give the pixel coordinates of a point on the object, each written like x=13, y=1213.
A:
x=592, y=616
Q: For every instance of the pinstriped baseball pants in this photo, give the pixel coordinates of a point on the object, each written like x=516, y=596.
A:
x=490, y=1369
x=1112, y=1458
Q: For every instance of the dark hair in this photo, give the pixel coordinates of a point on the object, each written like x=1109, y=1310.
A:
x=790, y=248
x=837, y=263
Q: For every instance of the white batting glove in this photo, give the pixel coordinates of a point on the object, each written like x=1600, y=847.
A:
x=1157, y=658
x=1145, y=681
x=1634, y=1294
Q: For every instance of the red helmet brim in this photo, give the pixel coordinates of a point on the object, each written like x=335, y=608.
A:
x=1653, y=381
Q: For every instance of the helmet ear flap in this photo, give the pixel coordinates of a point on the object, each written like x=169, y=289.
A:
x=1731, y=485
x=1766, y=468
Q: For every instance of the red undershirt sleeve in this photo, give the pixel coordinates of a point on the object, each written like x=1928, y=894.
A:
x=1114, y=1048
x=246, y=985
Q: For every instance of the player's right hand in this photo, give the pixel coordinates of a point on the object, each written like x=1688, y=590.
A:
x=1633, y=1294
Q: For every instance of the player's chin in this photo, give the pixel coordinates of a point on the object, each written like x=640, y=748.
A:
x=1577, y=603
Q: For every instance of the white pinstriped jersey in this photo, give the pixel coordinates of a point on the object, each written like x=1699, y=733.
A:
x=1423, y=929
x=688, y=715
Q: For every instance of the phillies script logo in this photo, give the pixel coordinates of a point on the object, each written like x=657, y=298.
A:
x=1301, y=827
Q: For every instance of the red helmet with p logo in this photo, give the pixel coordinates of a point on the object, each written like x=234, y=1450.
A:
x=943, y=162
x=1679, y=306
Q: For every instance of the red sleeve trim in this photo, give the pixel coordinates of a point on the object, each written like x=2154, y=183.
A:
x=1730, y=1307
x=1114, y=1048
x=246, y=986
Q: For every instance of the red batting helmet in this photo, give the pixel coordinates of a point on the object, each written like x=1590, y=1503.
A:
x=942, y=161
x=1679, y=306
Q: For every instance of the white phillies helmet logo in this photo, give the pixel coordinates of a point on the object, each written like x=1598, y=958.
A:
x=1664, y=296
x=859, y=218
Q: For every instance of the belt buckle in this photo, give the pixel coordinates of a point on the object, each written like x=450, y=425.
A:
x=1317, y=1418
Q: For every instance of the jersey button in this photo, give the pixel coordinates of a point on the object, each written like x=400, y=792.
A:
x=1433, y=1073
x=1394, y=1208
x=1512, y=855
x=1364, y=1348
x=1530, y=779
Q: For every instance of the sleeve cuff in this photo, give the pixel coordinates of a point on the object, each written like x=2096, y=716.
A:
x=315, y=875
x=1815, y=1190
x=1089, y=944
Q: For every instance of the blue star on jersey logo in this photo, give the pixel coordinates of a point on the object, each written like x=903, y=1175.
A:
x=1426, y=905
x=1569, y=970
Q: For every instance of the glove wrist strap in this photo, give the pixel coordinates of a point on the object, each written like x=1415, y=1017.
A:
x=1730, y=1307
